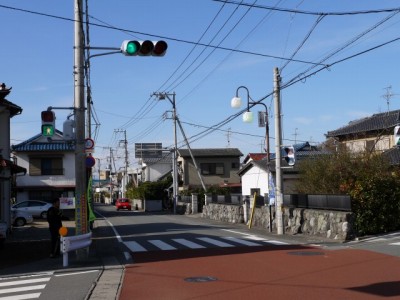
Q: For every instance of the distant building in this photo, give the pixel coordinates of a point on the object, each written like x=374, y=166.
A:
x=217, y=167
x=51, y=168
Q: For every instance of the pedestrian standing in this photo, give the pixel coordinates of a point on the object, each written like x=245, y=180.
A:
x=54, y=217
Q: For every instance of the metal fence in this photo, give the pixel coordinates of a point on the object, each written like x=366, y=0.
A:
x=330, y=202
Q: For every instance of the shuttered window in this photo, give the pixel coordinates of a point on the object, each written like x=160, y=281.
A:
x=46, y=166
x=212, y=169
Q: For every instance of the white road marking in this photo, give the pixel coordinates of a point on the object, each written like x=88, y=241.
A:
x=134, y=246
x=188, y=243
x=22, y=297
x=162, y=245
x=215, y=242
x=240, y=241
x=76, y=273
x=23, y=289
x=127, y=256
x=27, y=281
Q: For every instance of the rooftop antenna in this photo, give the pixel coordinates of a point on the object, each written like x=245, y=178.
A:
x=295, y=135
x=388, y=96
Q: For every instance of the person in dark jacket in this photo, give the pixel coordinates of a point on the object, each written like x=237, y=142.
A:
x=54, y=217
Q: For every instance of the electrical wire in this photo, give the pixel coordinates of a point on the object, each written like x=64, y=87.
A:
x=347, y=13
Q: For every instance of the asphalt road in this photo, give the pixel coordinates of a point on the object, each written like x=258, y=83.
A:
x=165, y=256
x=183, y=257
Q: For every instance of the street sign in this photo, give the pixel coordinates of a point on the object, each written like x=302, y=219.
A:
x=89, y=144
x=90, y=161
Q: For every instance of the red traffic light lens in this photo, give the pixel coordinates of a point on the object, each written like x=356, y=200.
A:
x=48, y=116
x=159, y=48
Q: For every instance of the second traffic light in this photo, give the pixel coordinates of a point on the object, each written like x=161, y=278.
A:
x=144, y=48
x=290, y=155
x=48, y=123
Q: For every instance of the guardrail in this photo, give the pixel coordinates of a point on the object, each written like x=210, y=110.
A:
x=71, y=243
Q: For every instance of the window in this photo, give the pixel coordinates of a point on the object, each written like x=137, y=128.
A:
x=255, y=190
x=212, y=169
x=46, y=166
x=235, y=165
x=370, y=145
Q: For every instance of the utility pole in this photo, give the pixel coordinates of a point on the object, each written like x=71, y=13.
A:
x=125, y=177
x=228, y=135
x=163, y=96
x=79, y=109
x=111, y=179
x=278, y=160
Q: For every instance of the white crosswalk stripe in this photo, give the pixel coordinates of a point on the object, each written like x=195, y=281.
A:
x=215, y=242
x=197, y=243
x=240, y=241
x=189, y=244
x=135, y=247
x=23, y=287
x=162, y=245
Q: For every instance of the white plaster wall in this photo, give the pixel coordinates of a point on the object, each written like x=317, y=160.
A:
x=255, y=178
x=68, y=179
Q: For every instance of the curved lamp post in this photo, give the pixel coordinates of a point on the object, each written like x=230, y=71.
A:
x=248, y=116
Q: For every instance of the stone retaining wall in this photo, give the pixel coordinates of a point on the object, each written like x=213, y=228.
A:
x=336, y=225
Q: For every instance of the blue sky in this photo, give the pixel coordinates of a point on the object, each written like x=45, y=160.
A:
x=37, y=61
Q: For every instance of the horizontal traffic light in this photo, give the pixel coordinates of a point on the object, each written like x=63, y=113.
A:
x=144, y=48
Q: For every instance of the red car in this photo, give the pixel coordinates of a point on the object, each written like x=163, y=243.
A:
x=123, y=203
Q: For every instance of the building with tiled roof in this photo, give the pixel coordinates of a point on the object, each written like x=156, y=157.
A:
x=375, y=133
x=50, y=165
x=217, y=167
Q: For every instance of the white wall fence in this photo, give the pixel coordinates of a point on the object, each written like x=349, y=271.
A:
x=75, y=242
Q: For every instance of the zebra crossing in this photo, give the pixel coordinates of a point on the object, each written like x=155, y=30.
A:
x=201, y=242
x=23, y=287
x=390, y=238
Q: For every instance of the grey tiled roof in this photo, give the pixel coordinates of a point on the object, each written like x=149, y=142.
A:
x=375, y=122
x=302, y=150
x=31, y=146
x=166, y=158
x=393, y=155
x=14, y=109
x=211, y=152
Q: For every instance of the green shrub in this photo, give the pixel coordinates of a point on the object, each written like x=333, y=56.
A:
x=374, y=187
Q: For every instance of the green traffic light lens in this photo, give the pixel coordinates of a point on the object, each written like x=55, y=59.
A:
x=47, y=130
x=132, y=48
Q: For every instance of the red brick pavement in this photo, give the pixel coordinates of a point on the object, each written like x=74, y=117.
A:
x=265, y=273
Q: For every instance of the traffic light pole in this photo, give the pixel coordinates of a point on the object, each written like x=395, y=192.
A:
x=81, y=223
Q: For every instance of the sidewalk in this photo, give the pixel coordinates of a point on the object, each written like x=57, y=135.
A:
x=27, y=251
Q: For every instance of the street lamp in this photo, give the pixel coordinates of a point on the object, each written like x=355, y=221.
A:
x=236, y=102
x=248, y=116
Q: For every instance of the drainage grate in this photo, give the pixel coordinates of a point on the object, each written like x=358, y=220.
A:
x=306, y=253
x=201, y=279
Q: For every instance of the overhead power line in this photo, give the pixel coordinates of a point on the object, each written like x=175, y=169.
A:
x=161, y=36
x=304, y=12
